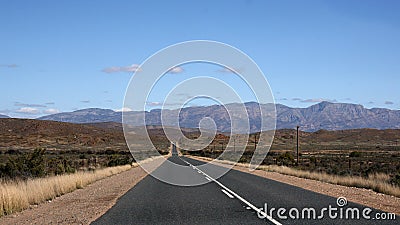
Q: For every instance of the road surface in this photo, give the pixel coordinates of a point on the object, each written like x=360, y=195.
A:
x=232, y=199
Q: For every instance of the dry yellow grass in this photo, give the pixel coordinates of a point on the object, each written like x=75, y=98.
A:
x=17, y=196
x=378, y=182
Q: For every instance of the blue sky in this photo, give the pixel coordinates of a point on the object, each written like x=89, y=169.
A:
x=60, y=56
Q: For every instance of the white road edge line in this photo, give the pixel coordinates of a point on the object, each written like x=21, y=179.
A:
x=227, y=193
x=208, y=179
x=261, y=212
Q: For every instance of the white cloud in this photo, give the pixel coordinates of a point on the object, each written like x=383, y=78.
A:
x=176, y=69
x=124, y=109
x=51, y=111
x=154, y=103
x=28, y=110
x=128, y=69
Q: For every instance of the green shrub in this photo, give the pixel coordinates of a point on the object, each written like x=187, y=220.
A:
x=355, y=154
x=116, y=160
x=25, y=165
x=396, y=180
x=286, y=158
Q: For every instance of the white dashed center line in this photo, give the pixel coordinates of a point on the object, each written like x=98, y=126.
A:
x=229, y=195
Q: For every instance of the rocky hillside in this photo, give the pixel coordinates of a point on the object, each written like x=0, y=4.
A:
x=337, y=116
x=92, y=115
x=27, y=133
x=324, y=115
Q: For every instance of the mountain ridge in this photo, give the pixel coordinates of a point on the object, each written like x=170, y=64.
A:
x=4, y=116
x=321, y=116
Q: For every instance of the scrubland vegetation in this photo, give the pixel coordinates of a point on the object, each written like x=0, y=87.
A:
x=364, y=158
x=19, y=164
x=31, y=177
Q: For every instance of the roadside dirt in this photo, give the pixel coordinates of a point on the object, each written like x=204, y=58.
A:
x=361, y=196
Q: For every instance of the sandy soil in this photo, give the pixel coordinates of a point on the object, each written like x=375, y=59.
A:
x=362, y=196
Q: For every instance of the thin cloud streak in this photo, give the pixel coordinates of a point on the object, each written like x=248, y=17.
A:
x=20, y=104
x=9, y=65
x=314, y=100
x=176, y=69
x=127, y=69
x=389, y=103
x=162, y=104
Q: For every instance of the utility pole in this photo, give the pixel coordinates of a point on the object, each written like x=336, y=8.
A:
x=255, y=141
x=297, y=144
x=234, y=139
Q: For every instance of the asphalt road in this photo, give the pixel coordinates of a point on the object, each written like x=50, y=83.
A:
x=232, y=199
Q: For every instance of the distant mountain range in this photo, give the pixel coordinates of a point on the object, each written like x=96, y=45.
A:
x=28, y=134
x=4, y=116
x=324, y=115
x=91, y=115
